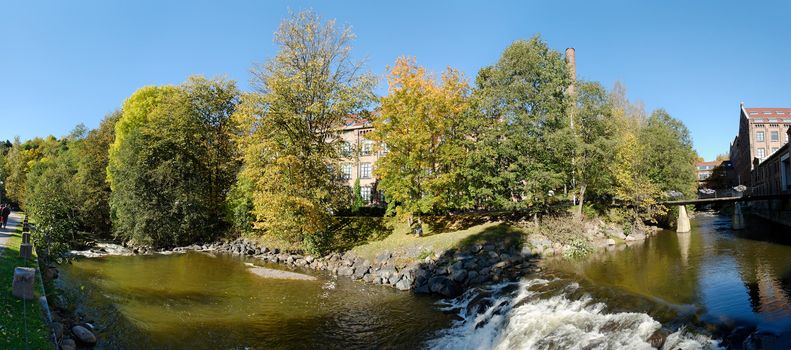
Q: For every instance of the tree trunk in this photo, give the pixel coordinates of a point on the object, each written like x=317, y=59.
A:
x=582, y=200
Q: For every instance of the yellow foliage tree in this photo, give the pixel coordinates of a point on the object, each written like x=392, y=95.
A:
x=422, y=123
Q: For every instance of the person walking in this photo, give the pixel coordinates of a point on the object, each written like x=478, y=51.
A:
x=5, y=213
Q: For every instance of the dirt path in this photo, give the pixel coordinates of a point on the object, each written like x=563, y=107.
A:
x=13, y=223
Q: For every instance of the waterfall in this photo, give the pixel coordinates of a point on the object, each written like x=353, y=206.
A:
x=551, y=314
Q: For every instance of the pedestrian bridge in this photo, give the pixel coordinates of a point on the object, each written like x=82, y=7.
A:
x=682, y=224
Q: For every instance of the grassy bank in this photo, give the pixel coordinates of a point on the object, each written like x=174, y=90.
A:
x=17, y=316
x=401, y=239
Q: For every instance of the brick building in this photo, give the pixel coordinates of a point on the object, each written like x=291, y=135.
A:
x=773, y=174
x=762, y=132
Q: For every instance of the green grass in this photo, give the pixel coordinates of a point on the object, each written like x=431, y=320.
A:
x=12, y=322
x=401, y=239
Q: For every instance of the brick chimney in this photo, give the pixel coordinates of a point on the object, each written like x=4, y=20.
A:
x=571, y=63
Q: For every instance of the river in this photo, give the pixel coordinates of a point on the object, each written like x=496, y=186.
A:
x=711, y=287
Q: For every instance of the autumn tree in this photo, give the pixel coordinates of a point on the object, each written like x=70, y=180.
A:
x=423, y=124
x=50, y=197
x=289, y=141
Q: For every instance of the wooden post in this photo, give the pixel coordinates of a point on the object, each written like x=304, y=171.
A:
x=682, y=224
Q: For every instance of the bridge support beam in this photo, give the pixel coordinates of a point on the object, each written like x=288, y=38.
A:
x=737, y=221
x=682, y=224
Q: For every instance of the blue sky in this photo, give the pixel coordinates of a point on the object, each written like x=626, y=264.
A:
x=69, y=62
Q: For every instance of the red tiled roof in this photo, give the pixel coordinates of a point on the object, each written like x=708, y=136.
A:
x=356, y=121
x=768, y=113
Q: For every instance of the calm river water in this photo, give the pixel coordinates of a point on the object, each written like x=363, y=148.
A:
x=680, y=290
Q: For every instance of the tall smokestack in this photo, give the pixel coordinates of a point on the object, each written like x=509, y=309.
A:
x=571, y=63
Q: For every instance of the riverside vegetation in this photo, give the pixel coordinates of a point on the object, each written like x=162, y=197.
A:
x=202, y=164
x=201, y=160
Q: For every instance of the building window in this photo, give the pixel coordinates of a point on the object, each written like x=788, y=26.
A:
x=346, y=171
x=365, y=192
x=367, y=147
x=346, y=149
x=775, y=135
x=383, y=149
x=365, y=170
x=760, y=153
x=774, y=149
x=759, y=136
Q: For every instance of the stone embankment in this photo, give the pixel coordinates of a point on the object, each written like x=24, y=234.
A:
x=447, y=274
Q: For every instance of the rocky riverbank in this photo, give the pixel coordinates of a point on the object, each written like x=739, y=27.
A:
x=71, y=329
x=447, y=273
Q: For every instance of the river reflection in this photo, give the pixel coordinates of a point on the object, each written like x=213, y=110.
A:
x=711, y=275
x=202, y=301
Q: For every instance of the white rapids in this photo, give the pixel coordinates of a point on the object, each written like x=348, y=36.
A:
x=518, y=316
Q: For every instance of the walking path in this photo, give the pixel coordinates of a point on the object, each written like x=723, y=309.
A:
x=8, y=231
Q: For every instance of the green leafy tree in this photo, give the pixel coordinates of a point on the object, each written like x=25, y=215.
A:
x=669, y=157
x=422, y=122
x=169, y=171
x=523, y=146
x=357, y=203
x=289, y=139
x=92, y=191
x=596, y=139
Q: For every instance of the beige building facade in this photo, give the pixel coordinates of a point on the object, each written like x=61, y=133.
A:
x=359, y=158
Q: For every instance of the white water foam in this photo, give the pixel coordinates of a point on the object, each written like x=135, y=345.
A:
x=517, y=316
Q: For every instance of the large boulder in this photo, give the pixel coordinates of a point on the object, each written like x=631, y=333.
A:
x=635, y=236
x=83, y=335
x=459, y=275
x=360, y=271
x=405, y=283
x=444, y=286
x=345, y=270
x=387, y=272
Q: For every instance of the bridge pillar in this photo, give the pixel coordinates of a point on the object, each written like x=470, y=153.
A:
x=682, y=224
x=738, y=219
